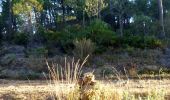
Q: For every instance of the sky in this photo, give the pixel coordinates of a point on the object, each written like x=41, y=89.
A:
x=0, y=6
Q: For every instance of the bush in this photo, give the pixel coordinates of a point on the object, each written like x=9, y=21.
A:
x=51, y=39
x=101, y=33
x=64, y=38
x=98, y=31
x=139, y=41
x=152, y=42
x=21, y=38
x=50, y=36
x=83, y=48
x=129, y=41
x=69, y=34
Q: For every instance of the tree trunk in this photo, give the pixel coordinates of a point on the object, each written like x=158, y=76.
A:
x=99, y=9
x=63, y=9
x=29, y=30
x=30, y=26
x=110, y=3
x=83, y=19
x=161, y=18
x=9, y=20
x=121, y=25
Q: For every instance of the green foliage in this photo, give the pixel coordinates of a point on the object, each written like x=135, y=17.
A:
x=92, y=7
x=142, y=24
x=26, y=5
x=21, y=38
x=101, y=33
x=69, y=34
x=50, y=36
x=63, y=38
x=139, y=41
x=98, y=31
x=153, y=42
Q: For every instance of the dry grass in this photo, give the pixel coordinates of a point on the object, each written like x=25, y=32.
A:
x=40, y=90
x=64, y=85
x=67, y=87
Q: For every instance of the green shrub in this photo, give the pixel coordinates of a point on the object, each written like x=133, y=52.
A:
x=98, y=31
x=69, y=34
x=124, y=41
x=21, y=38
x=139, y=41
x=101, y=33
x=136, y=41
x=152, y=42
x=50, y=36
x=83, y=48
x=52, y=40
x=64, y=38
x=66, y=41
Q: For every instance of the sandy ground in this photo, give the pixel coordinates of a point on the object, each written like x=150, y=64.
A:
x=40, y=90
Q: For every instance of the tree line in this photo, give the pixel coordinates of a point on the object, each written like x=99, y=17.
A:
x=147, y=17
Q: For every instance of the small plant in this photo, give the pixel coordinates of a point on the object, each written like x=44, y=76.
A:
x=67, y=74
x=83, y=48
x=70, y=72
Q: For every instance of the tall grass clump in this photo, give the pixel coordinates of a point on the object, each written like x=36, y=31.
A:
x=83, y=48
x=63, y=79
x=70, y=72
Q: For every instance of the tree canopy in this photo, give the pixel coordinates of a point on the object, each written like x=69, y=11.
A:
x=123, y=16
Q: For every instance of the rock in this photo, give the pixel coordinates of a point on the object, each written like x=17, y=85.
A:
x=7, y=59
